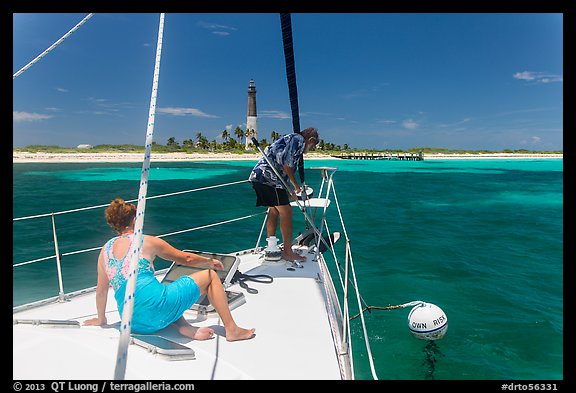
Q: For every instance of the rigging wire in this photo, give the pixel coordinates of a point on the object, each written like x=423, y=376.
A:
x=54, y=45
x=125, y=324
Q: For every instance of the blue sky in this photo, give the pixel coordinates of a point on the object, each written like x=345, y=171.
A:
x=370, y=80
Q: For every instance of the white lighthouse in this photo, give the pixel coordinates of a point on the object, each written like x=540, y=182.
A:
x=251, y=124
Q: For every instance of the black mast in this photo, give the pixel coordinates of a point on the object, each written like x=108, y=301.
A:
x=291, y=77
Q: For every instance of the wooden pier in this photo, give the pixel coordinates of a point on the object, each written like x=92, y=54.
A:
x=381, y=156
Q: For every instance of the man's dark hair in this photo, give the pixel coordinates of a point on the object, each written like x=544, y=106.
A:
x=310, y=132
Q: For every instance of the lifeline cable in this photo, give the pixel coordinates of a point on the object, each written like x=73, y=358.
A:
x=54, y=45
x=125, y=324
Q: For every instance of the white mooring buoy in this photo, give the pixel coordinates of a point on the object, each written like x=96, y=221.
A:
x=427, y=321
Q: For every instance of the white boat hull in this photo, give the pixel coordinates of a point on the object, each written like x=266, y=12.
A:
x=294, y=335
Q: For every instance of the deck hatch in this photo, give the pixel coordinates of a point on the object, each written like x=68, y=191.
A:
x=168, y=349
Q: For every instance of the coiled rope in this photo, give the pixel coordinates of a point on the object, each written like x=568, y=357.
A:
x=125, y=325
x=54, y=45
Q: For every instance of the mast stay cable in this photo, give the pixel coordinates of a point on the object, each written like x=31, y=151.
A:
x=125, y=324
x=54, y=45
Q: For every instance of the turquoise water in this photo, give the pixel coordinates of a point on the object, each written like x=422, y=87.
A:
x=482, y=239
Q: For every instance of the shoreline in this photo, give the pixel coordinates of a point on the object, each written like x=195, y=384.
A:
x=28, y=157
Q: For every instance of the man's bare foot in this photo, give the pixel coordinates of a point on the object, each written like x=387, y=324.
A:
x=196, y=333
x=237, y=333
x=292, y=256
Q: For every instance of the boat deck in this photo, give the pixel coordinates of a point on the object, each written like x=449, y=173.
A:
x=293, y=335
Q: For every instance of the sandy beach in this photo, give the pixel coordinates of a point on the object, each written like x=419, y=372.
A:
x=491, y=156
x=27, y=157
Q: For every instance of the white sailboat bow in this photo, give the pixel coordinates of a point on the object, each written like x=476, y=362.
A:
x=300, y=311
x=302, y=324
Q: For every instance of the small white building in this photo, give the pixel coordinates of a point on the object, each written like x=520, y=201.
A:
x=84, y=146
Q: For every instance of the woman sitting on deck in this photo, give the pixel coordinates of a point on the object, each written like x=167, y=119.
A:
x=157, y=305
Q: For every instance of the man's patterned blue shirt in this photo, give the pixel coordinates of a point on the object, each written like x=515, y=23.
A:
x=287, y=150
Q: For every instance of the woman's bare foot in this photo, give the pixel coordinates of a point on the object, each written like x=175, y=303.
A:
x=196, y=333
x=237, y=333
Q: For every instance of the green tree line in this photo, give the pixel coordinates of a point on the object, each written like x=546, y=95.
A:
x=236, y=144
x=229, y=143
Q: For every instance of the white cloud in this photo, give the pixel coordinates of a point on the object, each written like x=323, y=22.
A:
x=531, y=141
x=538, y=77
x=184, y=112
x=409, y=124
x=61, y=90
x=524, y=75
x=217, y=29
x=19, y=117
x=274, y=114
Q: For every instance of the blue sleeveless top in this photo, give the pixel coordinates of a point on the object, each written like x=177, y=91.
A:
x=155, y=305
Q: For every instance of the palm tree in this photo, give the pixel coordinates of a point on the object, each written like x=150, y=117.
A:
x=225, y=135
x=274, y=136
x=188, y=143
x=172, y=142
x=203, y=142
x=239, y=133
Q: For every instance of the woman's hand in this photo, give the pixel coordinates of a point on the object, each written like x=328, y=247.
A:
x=215, y=264
x=95, y=322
